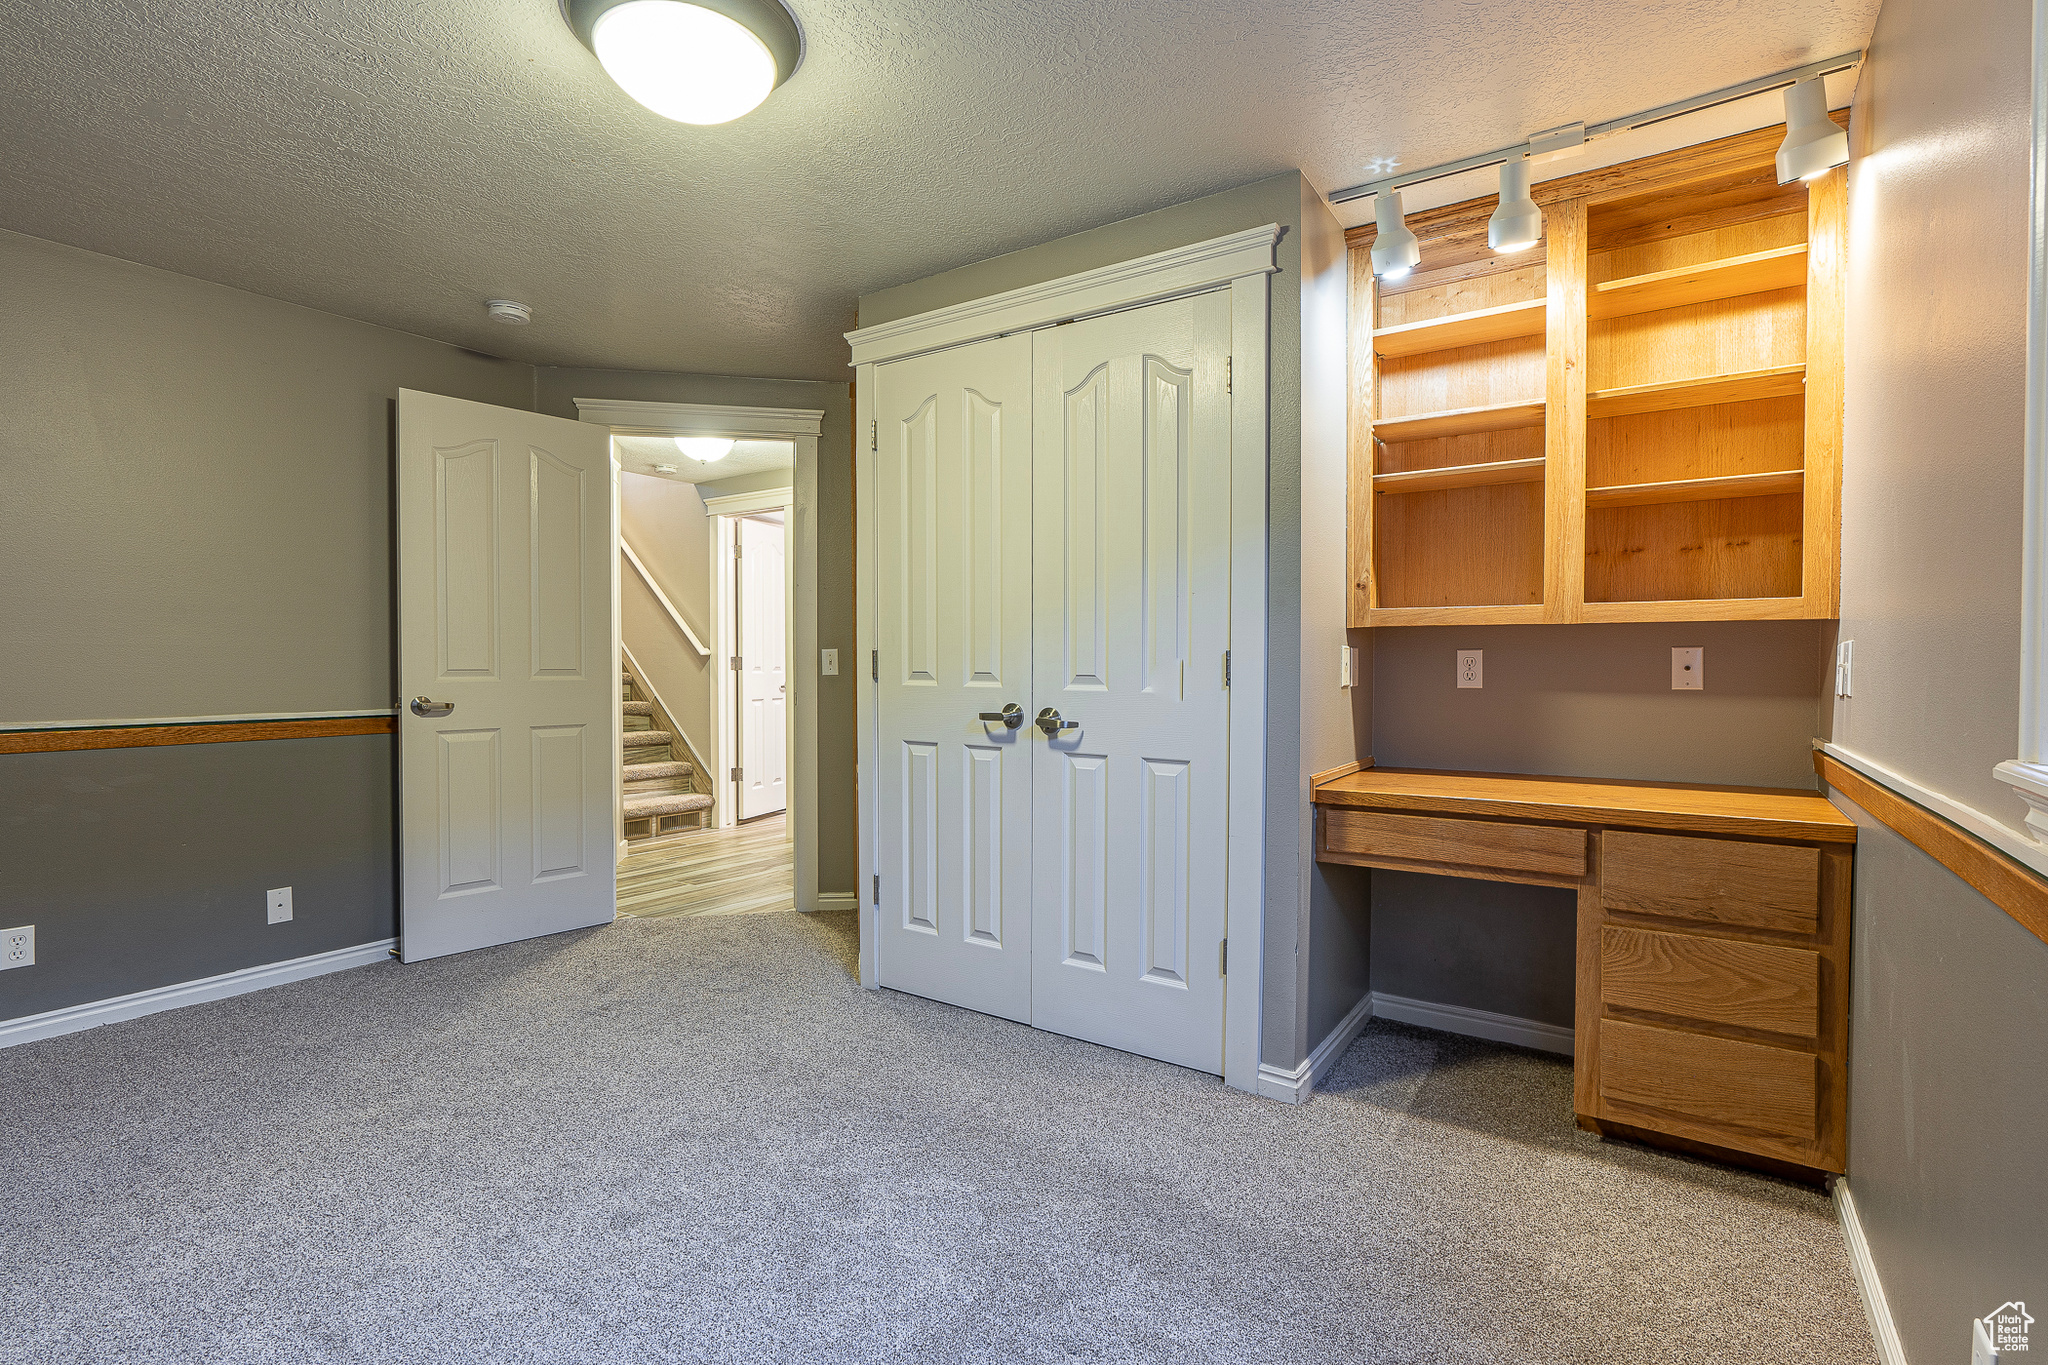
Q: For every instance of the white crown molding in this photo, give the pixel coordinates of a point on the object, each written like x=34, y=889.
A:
x=1890, y=1350
x=739, y=504
x=2000, y=836
x=92, y=1014
x=134, y=723
x=1498, y=1028
x=1148, y=279
x=629, y=418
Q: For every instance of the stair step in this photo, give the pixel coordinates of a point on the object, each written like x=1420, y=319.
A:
x=642, y=739
x=657, y=772
x=668, y=803
x=636, y=708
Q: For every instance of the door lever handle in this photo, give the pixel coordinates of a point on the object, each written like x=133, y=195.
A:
x=427, y=706
x=1011, y=716
x=1050, y=722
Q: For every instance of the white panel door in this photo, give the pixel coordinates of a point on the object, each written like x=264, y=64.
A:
x=504, y=611
x=764, y=690
x=952, y=618
x=1132, y=615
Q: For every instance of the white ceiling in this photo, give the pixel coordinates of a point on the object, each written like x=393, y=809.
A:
x=640, y=454
x=402, y=161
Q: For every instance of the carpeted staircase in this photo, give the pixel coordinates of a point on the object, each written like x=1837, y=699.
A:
x=660, y=790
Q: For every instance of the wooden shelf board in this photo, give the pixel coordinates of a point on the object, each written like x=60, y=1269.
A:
x=1459, y=422
x=1505, y=614
x=1754, y=273
x=1695, y=490
x=1460, y=476
x=1502, y=323
x=1783, y=381
x=1703, y=609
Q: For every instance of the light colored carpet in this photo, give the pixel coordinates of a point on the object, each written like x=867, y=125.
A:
x=696, y=1139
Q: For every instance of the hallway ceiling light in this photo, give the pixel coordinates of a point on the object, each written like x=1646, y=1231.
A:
x=703, y=63
x=1517, y=224
x=1395, y=251
x=705, y=449
x=1814, y=143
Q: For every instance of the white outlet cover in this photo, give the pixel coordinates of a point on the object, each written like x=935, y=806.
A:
x=1844, y=668
x=828, y=662
x=1688, y=669
x=1471, y=668
x=279, y=902
x=18, y=947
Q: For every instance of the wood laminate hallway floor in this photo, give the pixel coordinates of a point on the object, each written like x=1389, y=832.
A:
x=743, y=870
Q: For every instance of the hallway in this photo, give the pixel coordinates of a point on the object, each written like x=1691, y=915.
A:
x=739, y=871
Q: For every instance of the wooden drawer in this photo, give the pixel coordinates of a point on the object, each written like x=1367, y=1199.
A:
x=1716, y=981
x=1737, y=1085
x=1477, y=843
x=1716, y=881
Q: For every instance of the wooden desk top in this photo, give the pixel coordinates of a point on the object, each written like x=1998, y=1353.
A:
x=1758, y=812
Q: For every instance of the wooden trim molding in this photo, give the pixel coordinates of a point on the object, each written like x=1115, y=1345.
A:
x=1356, y=765
x=215, y=732
x=2001, y=880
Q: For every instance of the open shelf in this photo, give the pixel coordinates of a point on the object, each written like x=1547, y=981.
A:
x=1503, y=323
x=1459, y=422
x=1782, y=268
x=1694, y=490
x=1460, y=476
x=1782, y=381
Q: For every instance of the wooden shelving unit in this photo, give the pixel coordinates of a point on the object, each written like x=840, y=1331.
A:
x=1643, y=424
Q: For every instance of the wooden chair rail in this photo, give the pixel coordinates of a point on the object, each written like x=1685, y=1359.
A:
x=201, y=732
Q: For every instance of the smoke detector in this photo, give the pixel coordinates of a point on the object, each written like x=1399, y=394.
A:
x=664, y=469
x=510, y=312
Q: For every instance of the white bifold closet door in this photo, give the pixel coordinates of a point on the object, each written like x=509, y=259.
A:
x=1053, y=531
x=953, y=635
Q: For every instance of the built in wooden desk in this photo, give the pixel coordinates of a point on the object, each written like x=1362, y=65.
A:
x=1713, y=937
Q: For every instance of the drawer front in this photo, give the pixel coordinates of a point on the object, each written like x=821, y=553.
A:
x=1715, y=881
x=1715, y=981
x=1740, y=1085
x=1479, y=843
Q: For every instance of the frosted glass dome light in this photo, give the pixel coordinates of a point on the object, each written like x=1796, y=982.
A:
x=705, y=449
x=695, y=61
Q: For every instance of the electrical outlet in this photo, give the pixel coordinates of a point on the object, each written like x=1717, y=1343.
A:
x=18, y=947
x=1843, y=659
x=280, y=903
x=1688, y=669
x=828, y=662
x=1471, y=668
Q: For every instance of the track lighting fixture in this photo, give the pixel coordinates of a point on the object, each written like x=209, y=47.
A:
x=1814, y=143
x=704, y=62
x=1395, y=251
x=1517, y=224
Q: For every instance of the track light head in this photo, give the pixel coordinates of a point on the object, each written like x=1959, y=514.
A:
x=1517, y=224
x=1395, y=251
x=1814, y=144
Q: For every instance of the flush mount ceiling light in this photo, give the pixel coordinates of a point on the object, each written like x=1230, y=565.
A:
x=1814, y=143
x=1395, y=251
x=705, y=449
x=1517, y=224
x=704, y=62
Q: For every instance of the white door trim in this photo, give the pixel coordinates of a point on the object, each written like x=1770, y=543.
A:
x=1163, y=275
x=1243, y=262
x=725, y=738
x=629, y=418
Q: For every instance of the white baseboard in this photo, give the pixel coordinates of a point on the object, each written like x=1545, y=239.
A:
x=77, y=1018
x=1295, y=1087
x=1890, y=1350
x=1499, y=1028
x=838, y=900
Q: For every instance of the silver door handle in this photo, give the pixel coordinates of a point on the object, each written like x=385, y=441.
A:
x=1050, y=722
x=427, y=706
x=1011, y=716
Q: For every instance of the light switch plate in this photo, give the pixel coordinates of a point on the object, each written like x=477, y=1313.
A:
x=1471, y=668
x=828, y=662
x=1688, y=669
x=279, y=902
x=1843, y=659
x=1347, y=666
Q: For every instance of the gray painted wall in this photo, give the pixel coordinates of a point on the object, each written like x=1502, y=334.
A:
x=146, y=867
x=1278, y=199
x=1948, y=1037
x=824, y=495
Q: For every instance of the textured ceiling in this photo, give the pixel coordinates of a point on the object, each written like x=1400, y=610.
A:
x=402, y=161
x=640, y=454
